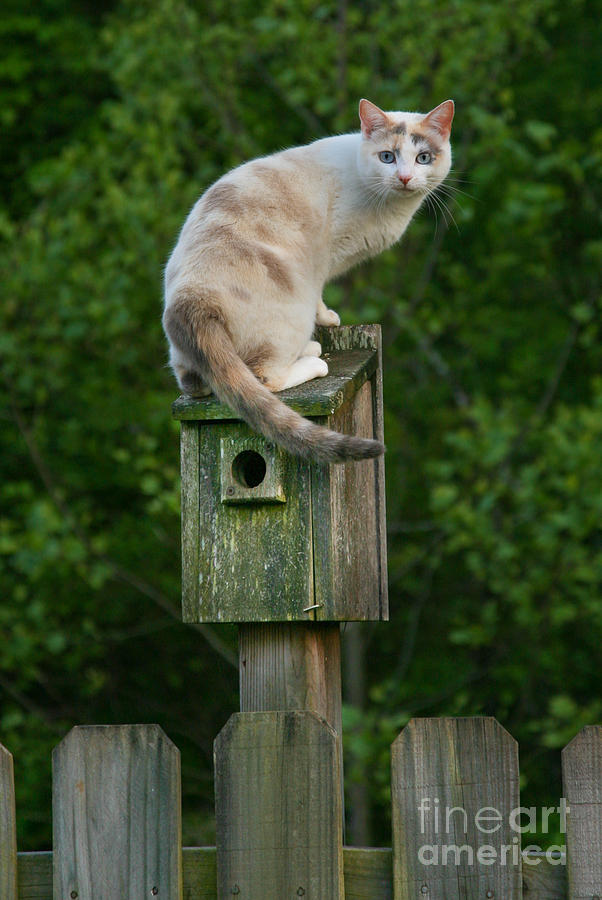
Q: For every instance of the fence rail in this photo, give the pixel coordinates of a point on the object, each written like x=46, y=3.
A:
x=368, y=874
x=117, y=828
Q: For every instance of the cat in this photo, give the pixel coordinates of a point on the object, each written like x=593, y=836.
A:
x=243, y=285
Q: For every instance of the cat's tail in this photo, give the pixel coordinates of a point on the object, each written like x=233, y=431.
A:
x=202, y=335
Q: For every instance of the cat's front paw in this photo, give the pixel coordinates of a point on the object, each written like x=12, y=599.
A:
x=328, y=317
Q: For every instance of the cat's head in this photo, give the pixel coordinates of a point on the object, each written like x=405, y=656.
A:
x=404, y=153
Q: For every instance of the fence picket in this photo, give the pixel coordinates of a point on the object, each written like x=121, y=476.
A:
x=278, y=807
x=582, y=784
x=444, y=771
x=116, y=814
x=8, y=832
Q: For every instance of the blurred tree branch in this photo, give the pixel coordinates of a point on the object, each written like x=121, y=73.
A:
x=115, y=570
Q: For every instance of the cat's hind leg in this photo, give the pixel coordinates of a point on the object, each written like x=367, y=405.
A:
x=190, y=383
x=325, y=316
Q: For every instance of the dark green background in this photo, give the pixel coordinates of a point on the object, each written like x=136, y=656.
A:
x=114, y=118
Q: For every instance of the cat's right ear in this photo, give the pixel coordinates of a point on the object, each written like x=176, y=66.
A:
x=371, y=118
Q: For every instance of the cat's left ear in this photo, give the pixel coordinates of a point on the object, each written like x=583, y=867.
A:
x=371, y=118
x=440, y=118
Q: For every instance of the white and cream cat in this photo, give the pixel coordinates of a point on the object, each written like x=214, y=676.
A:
x=243, y=286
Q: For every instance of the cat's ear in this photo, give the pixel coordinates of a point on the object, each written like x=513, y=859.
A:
x=440, y=118
x=371, y=118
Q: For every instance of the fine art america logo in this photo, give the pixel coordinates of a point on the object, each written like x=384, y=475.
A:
x=437, y=820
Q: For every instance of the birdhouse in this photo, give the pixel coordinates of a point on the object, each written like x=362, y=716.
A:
x=267, y=536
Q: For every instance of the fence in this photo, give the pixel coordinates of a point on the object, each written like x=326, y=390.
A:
x=455, y=799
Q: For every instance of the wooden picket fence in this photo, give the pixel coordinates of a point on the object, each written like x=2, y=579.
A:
x=455, y=785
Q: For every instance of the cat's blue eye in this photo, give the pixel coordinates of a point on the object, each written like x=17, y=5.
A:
x=424, y=158
x=387, y=156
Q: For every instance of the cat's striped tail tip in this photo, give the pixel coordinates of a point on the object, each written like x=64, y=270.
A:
x=366, y=449
x=351, y=449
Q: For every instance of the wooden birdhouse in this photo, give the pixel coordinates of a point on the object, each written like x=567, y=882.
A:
x=269, y=537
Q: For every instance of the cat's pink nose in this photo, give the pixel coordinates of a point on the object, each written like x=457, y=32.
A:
x=405, y=179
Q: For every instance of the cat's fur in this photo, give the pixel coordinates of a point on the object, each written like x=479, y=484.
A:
x=243, y=286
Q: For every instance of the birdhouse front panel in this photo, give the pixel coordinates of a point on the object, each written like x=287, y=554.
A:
x=247, y=544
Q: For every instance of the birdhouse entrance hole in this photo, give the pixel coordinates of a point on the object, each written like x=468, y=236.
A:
x=249, y=468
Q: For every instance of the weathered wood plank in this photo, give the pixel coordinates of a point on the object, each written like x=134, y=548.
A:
x=544, y=876
x=8, y=828
x=376, y=382
x=116, y=814
x=368, y=875
x=348, y=502
x=35, y=876
x=200, y=873
x=445, y=773
x=278, y=807
x=347, y=526
x=347, y=371
x=194, y=480
x=582, y=785
x=348, y=337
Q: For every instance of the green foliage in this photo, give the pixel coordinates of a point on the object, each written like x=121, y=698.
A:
x=117, y=117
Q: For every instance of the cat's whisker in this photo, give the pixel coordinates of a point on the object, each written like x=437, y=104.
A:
x=437, y=208
x=379, y=197
x=453, y=185
x=445, y=210
x=458, y=180
x=443, y=206
x=452, y=189
x=453, y=176
x=377, y=193
x=431, y=206
x=436, y=202
x=447, y=198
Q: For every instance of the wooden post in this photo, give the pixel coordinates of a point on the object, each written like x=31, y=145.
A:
x=582, y=784
x=454, y=785
x=116, y=814
x=288, y=550
x=291, y=665
x=278, y=808
x=8, y=832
